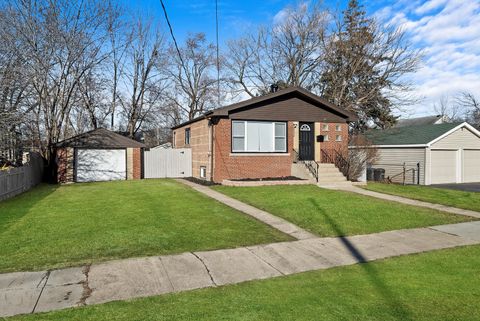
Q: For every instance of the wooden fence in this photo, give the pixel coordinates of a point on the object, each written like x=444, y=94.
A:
x=20, y=179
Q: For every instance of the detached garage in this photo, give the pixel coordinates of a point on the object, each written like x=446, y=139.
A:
x=98, y=155
x=436, y=154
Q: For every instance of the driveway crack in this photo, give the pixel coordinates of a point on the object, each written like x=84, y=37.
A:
x=87, y=291
x=166, y=273
x=267, y=263
x=206, y=268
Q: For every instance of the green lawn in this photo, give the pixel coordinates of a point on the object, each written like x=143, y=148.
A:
x=441, y=285
x=54, y=226
x=334, y=213
x=460, y=199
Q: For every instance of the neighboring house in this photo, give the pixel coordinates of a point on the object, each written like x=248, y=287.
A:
x=446, y=153
x=98, y=155
x=261, y=137
x=428, y=120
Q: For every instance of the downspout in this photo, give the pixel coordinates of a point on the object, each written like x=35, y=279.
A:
x=211, y=147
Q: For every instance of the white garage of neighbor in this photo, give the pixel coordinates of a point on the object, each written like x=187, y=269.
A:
x=433, y=154
x=99, y=155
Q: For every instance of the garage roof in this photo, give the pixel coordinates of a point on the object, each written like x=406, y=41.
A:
x=100, y=138
x=411, y=135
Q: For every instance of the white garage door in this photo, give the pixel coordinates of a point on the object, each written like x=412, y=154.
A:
x=444, y=166
x=101, y=165
x=471, y=166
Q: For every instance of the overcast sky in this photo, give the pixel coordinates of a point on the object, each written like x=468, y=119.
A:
x=448, y=31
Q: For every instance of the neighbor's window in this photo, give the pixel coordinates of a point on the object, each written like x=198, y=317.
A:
x=338, y=138
x=324, y=126
x=187, y=136
x=203, y=172
x=338, y=128
x=259, y=136
x=325, y=138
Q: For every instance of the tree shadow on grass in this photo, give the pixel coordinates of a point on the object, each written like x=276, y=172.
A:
x=14, y=209
x=372, y=273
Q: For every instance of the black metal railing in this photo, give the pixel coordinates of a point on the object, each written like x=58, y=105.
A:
x=311, y=165
x=333, y=156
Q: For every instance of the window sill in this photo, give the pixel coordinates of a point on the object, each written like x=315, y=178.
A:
x=259, y=154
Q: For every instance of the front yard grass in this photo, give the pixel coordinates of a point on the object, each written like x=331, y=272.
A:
x=55, y=226
x=441, y=285
x=335, y=213
x=460, y=199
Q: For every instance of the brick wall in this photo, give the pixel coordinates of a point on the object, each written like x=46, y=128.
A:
x=236, y=166
x=137, y=163
x=199, y=143
x=332, y=144
x=65, y=162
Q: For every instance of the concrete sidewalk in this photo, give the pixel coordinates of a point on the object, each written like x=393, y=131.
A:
x=267, y=218
x=30, y=292
x=408, y=201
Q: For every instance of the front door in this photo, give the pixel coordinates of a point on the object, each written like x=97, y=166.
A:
x=306, y=141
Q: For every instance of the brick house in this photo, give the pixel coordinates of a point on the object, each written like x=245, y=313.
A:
x=262, y=137
x=98, y=155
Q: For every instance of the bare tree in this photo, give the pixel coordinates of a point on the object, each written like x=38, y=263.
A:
x=471, y=104
x=194, y=89
x=59, y=42
x=447, y=108
x=289, y=53
x=142, y=76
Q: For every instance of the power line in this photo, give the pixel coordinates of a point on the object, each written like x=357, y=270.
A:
x=218, y=60
x=171, y=33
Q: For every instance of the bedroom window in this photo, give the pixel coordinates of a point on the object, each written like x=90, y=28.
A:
x=338, y=138
x=259, y=136
x=338, y=128
x=325, y=127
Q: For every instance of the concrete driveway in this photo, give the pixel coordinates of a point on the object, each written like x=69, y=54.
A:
x=467, y=187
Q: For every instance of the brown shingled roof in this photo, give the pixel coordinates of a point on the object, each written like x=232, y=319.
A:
x=224, y=111
x=100, y=138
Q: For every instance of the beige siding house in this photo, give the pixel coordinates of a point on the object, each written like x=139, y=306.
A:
x=429, y=154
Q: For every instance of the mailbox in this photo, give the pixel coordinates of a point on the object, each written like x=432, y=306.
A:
x=320, y=138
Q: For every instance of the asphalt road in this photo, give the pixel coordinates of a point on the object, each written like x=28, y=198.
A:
x=467, y=187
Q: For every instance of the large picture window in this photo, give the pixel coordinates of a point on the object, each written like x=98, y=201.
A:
x=259, y=136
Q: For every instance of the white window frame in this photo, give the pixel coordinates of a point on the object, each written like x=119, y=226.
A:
x=338, y=138
x=325, y=127
x=325, y=138
x=338, y=128
x=203, y=171
x=245, y=137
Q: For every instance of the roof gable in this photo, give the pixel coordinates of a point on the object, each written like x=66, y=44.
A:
x=289, y=92
x=100, y=138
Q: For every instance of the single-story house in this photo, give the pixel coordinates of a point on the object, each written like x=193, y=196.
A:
x=261, y=137
x=443, y=153
x=98, y=155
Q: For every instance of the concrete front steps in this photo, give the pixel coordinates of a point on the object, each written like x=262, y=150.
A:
x=329, y=176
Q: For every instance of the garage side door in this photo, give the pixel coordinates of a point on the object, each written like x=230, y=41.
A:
x=101, y=165
x=471, y=166
x=444, y=166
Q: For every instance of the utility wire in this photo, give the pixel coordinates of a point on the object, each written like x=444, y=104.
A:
x=218, y=59
x=173, y=36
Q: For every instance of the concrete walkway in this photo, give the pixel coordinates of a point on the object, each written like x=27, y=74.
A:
x=267, y=218
x=31, y=292
x=407, y=201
